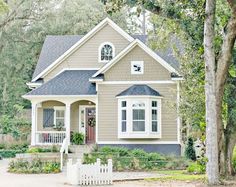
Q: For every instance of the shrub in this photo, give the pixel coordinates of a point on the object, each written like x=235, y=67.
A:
x=196, y=168
x=77, y=138
x=34, y=166
x=10, y=153
x=41, y=150
x=190, y=151
x=2, y=146
x=17, y=146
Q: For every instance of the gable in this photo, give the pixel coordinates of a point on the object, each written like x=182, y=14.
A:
x=121, y=70
x=86, y=56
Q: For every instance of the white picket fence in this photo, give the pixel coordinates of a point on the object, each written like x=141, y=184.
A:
x=89, y=174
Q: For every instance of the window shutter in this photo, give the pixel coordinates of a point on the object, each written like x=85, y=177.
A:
x=48, y=118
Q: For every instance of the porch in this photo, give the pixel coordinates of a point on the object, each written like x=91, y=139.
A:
x=53, y=120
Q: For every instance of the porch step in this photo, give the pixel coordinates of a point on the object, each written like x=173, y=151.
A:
x=81, y=149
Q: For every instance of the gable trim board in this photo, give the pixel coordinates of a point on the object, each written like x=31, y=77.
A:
x=82, y=41
x=133, y=44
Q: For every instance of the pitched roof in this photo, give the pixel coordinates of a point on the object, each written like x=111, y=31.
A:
x=69, y=82
x=140, y=89
x=55, y=46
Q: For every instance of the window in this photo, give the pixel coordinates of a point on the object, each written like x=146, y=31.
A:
x=106, y=52
x=154, y=117
x=138, y=116
x=48, y=117
x=123, y=116
x=59, y=117
x=137, y=67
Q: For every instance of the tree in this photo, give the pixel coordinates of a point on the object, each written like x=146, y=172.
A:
x=218, y=57
x=190, y=151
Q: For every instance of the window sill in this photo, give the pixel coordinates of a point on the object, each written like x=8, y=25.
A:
x=139, y=135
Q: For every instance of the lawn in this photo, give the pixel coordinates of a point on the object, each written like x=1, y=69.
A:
x=179, y=175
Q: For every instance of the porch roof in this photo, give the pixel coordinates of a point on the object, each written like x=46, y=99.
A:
x=139, y=90
x=69, y=82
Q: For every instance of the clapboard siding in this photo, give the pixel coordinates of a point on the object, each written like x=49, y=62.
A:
x=87, y=55
x=108, y=111
x=153, y=70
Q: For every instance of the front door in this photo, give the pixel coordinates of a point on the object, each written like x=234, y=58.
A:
x=90, y=125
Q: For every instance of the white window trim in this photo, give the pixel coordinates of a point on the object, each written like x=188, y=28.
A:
x=141, y=63
x=99, y=51
x=130, y=134
x=55, y=117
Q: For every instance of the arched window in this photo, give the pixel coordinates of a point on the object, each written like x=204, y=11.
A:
x=106, y=52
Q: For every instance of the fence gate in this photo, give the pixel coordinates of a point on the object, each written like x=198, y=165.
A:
x=89, y=174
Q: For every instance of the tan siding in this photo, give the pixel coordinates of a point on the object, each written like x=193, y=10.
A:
x=108, y=111
x=87, y=55
x=47, y=104
x=74, y=114
x=121, y=71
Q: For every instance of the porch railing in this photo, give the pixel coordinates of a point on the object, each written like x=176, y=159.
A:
x=50, y=137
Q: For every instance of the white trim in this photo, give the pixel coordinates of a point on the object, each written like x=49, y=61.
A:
x=132, y=66
x=139, y=96
x=56, y=96
x=82, y=41
x=95, y=80
x=178, y=117
x=33, y=84
x=83, y=129
x=139, y=82
x=125, y=51
x=96, y=130
x=177, y=78
x=100, y=48
x=138, y=142
x=147, y=133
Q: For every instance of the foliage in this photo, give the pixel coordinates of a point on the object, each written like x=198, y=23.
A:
x=234, y=158
x=177, y=175
x=11, y=153
x=136, y=159
x=34, y=166
x=189, y=150
x=22, y=31
x=77, y=138
x=196, y=168
x=42, y=149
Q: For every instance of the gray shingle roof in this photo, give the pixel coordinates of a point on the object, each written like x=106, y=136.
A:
x=55, y=46
x=140, y=89
x=69, y=82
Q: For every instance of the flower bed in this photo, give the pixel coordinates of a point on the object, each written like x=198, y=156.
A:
x=34, y=166
x=136, y=159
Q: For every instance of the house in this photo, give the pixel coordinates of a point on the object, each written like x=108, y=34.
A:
x=108, y=85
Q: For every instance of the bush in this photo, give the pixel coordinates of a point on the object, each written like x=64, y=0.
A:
x=77, y=138
x=42, y=150
x=190, y=151
x=34, y=166
x=2, y=146
x=136, y=159
x=196, y=168
x=11, y=153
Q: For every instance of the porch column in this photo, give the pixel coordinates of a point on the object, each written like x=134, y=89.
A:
x=34, y=123
x=67, y=122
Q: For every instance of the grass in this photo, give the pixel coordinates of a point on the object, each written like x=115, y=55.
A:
x=178, y=175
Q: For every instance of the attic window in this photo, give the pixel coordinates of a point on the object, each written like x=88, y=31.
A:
x=106, y=52
x=137, y=67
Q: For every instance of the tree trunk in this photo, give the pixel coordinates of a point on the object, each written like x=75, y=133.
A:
x=212, y=168
x=230, y=144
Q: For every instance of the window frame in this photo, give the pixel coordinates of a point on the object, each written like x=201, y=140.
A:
x=148, y=133
x=100, y=55
x=141, y=63
x=59, y=108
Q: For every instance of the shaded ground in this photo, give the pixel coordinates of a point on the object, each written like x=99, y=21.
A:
x=58, y=180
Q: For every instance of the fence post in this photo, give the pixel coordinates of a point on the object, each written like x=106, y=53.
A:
x=109, y=164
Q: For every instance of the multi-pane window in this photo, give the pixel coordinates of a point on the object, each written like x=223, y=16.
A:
x=59, y=119
x=107, y=53
x=123, y=116
x=154, y=116
x=138, y=110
